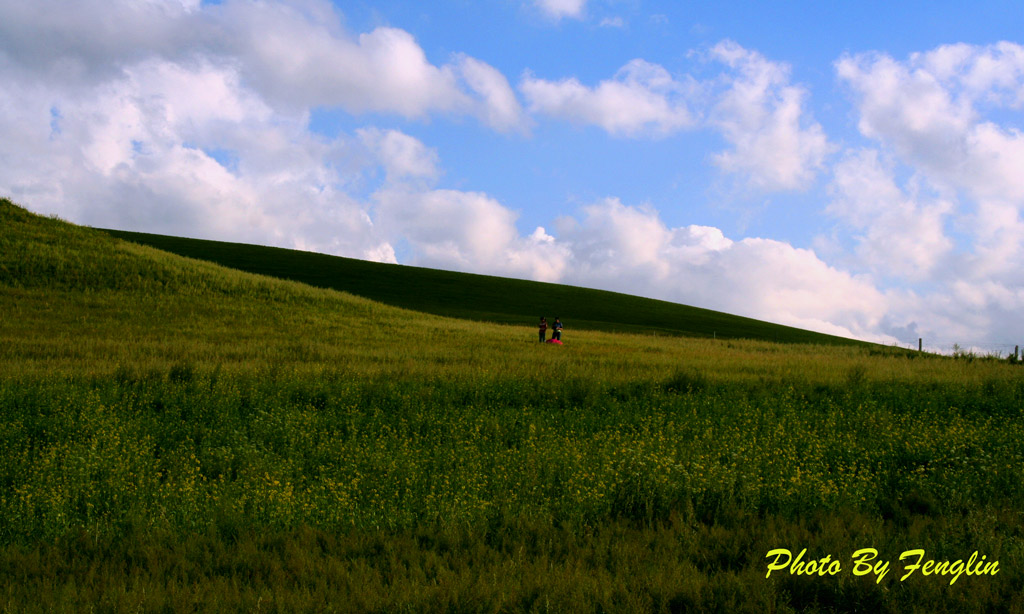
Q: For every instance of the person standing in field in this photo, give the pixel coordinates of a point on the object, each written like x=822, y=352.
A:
x=543, y=328
x=556, y=332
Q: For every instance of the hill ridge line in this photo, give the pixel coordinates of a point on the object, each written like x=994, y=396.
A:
x=480, y=297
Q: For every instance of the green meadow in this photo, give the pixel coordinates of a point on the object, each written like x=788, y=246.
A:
x=177, y=435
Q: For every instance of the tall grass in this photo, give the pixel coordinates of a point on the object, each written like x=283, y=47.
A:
x=182, y=450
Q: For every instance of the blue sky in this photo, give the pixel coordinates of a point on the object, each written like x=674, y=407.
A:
x=851, y=168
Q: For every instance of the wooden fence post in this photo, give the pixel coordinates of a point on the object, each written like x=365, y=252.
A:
x=918, y=344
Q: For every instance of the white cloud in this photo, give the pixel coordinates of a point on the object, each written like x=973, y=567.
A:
x=497, y=104
x=929, y=111
x=993, y=74
x=630, y=249
x=292, y=59
x=641, y=99
x=982, y=314
x=762, y=115
x=612, y=22
x=908, y=109
x=294, y=55
x=307, y=60
x=141, y=152
x=467, y=231
x=934, y=115
x=88, y=39
x=775, y=144
x=902, y=235
x=401, y=155
x=557, y=9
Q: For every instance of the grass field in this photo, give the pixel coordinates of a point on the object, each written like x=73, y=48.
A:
x=178, y=436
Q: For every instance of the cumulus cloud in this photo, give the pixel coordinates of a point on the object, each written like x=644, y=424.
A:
x=630, y=248
x=908, y=109
x=641, y=99
x=294, y=55
x=402, y=156
x=935, y=115
x=496, y=103
x=294, y=60
x=762, y=115
x=181, y=149
x=901, y=235
x=930, y=110
x=303, y=60
x=775, y=145
x=89, y=39
x=468, y=231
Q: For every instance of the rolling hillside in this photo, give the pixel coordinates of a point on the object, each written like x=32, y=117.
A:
x=76, y=299
x=481, y=297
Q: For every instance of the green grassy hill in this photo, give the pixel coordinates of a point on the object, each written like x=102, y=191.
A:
x=481, y=297
x=75, y=299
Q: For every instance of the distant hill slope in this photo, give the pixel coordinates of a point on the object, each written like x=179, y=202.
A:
x=480, y=297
